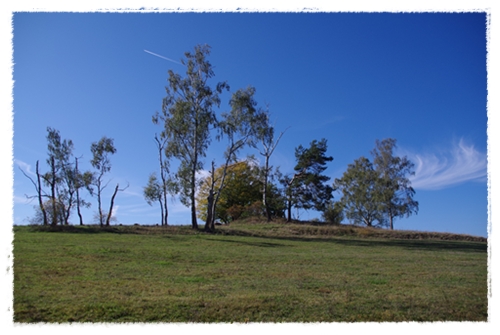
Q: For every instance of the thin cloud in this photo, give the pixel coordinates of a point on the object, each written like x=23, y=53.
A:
x=22, y=200
x=114, y=212
x=25, y=167
x=461, y=164
x=170, y=60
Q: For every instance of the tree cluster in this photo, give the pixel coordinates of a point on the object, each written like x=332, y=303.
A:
x=371, y=192
x=65, y=182
x=377, y=193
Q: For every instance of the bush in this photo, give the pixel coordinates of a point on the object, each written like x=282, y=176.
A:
x=333, y=213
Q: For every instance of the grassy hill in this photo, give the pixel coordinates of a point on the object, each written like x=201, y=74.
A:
x=247, y=272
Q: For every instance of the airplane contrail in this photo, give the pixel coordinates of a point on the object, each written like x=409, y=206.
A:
x=171, y=60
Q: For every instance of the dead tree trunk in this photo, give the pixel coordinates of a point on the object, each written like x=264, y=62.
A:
x=111, y=205
x=40, y=200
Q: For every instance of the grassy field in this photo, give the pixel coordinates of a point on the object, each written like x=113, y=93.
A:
x=247, y=273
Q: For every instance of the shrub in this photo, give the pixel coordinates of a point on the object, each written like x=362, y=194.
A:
x=333, y=213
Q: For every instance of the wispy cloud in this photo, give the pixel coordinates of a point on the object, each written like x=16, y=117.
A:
x=22, y=200
x=25, y=167
x=114, y=212
x=170, y=60
x=461, y=163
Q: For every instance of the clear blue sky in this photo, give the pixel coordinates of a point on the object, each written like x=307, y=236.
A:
x=350, y=78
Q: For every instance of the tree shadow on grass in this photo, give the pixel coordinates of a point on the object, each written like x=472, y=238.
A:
x=256, y=244
x=428, y=245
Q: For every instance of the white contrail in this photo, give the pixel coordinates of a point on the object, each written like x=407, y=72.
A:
x=171, y=60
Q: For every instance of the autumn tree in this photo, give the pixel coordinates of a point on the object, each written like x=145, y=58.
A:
x=187, y=117
x=306, y=188
x=395, y=187
x=240, y=128
x=242, y=192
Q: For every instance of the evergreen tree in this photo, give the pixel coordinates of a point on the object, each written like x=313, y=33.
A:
x=306, y=188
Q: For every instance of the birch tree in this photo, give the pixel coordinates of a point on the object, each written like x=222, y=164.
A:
x=188, y=117
x=395, y=186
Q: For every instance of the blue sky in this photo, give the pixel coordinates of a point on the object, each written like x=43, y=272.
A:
x=351, y=78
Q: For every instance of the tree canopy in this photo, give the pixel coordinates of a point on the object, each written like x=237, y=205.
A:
x=393, y=171
x=306, y=188
x=187, y=116
x=379, y=191
x=361, y=194
x=242, y=194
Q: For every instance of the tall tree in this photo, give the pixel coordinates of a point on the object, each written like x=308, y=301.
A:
x=101, y=162
x=39, y=195
x=306, y=188
x=269, y=143
x=396, y=191
x=240, y=127
x=361, y=194
x=158, y=190
x=59, y=178
x=82, y=180
x=187, y=116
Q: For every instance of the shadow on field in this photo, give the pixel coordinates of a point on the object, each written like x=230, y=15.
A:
x=429, y=245
x=255, y=244
x=225, y=236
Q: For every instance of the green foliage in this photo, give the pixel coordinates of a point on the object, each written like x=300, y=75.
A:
x=187, y=116
x=307, y=188
x=361, y=193
x=153, y=191
x=397, y=193
x=378, y=192
x=241, y=127
x=60, y=178
x=333, y=213
x=101, y=152
x=242, y=194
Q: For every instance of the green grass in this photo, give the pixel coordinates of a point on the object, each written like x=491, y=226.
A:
x=244, y=273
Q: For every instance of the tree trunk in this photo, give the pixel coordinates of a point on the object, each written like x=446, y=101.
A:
x=264, y=195
x=53, y=191
x=289, y=210
x=210, y=213
x=111, y=205
x=99, y=202
x=40, y=199
x=194, y=222
x=162, y=215
x=164, y=211
x=77, y=190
